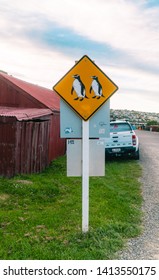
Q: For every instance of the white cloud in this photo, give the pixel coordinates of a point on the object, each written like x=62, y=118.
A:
x=134, y=79
x=124, y=25
x=138, y=90
x=37, y=65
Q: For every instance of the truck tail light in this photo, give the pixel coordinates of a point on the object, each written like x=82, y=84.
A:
x=134, y=140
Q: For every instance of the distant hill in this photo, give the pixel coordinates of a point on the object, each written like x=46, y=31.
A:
x=134, y=116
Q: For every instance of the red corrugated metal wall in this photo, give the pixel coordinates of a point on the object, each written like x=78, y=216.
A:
x=57, y=145
x=14, y=97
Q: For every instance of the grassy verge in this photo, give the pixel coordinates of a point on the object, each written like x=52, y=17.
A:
x=40, y=215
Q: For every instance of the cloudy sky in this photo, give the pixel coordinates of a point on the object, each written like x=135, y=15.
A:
x=41, y=40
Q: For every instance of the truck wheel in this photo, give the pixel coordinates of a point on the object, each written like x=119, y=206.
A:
x=137, y=155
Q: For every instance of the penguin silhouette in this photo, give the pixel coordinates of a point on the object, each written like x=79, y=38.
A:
x=79, y=88
x=96, y=87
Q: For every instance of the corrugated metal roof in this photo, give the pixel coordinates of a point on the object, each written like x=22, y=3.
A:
x=24, y=114
x=46, y=96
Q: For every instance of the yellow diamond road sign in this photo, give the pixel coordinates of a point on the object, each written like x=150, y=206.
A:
x=85, y=88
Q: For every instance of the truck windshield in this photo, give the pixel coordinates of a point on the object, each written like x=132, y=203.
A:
x=118, y=127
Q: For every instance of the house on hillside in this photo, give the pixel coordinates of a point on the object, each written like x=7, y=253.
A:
x=29, y=127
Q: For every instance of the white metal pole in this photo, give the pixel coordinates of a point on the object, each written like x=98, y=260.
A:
x=85, y=176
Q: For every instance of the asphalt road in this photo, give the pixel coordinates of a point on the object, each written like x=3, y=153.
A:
x=146, y=246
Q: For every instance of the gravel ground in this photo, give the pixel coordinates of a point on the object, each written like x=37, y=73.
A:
x=146, y=246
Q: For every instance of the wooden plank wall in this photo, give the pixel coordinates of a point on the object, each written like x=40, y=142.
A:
x=32, y=146
x=7, y=146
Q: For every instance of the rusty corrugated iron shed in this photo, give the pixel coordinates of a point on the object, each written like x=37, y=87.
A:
x=29, y=127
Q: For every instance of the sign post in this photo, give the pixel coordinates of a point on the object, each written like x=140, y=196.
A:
x=85, y=175
x=85, y=88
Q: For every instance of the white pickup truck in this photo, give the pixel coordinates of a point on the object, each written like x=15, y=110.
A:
x=122, y=141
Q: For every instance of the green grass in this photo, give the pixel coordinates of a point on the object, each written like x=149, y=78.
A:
x=40, y=214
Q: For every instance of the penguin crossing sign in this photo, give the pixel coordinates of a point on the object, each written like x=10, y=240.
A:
x=85, y=88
